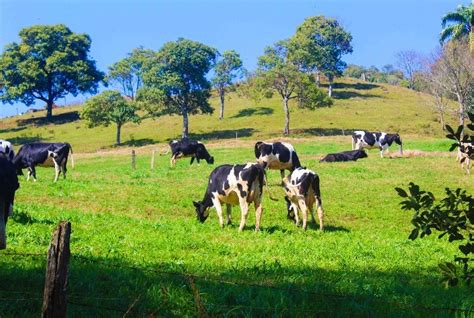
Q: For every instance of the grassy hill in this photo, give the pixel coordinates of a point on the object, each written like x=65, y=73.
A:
x=357, y=106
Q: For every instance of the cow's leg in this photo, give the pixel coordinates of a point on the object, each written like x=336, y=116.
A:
x=258, y=212
x=64, y=169
x=173, y=161
x=218, y=206
x=28, y=174
x=3, y=235
x=229, y=210
x=295, y=211
x=33, y=173
x=304, y=211
x=320, y=213
x=192, y=160
x=244, y=209
x=198, y=161
x=381, y=152
x=57, y=170
x=311, y=210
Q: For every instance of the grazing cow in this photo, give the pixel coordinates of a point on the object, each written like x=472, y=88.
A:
x=277, y=156
x=8, y=186
x=6, y=150
x=44, y=155
x=352, y=155
x=302, y=191
x=189, y=148
x=465, y=155
x=368, y=140
x=233, y=185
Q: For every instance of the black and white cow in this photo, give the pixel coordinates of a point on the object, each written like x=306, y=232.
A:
x=277, y=156
x=6, y=150
x=351, y=155
x=465, y=155
x=302, y=191
x=368, y=140
x=233, y=185
x=8, y=186
x=189, y=148
x=44, y=155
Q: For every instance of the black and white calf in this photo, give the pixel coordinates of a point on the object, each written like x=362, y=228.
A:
x=368, y=140
x=465, y=155
x=6, y=150
x=189, y=148
x=302, y=191
x=233, y=185
x=8, y=186
x=44, y=155
x=277, y=156
x=352, y=155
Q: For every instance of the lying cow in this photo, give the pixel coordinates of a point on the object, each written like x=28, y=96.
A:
x=44, y=155
x=302, y=191
x=368, y=140
x=6, y=150
x=352, y=155
x=233, y=185
x=465, y=155
x=8, y=186
x=189, y=148
x=277, y=156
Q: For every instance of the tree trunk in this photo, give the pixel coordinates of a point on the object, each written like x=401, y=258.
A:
x=185, y=124
x=49, y=110
x=471, y=39
x=462, y=114
x=318, y=79
x=441, y=118
x=330, y=86
x=119, y=127
x=221, y=115
x=287, y=116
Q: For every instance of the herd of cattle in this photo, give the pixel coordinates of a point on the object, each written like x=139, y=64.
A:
x=228, y=184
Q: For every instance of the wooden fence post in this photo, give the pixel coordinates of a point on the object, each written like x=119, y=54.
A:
x=134, y=166
x=153, y=159
x=55, y=283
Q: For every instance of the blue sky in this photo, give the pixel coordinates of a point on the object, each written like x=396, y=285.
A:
x=380, y=28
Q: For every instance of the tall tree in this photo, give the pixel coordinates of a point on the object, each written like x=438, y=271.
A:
x=318, y=46
x=127, y=74
x=459, y=24
x=175, y=81
x=49, y=63
x=277, y=73
x=109, y=107
x=227, y=69
x=410, y=64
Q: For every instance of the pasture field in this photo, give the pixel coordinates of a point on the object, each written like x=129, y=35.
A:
x=135, y=233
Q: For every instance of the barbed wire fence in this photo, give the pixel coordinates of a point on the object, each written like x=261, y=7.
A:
x=127, y=304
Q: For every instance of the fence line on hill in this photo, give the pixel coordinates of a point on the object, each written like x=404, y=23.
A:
x=80, y=299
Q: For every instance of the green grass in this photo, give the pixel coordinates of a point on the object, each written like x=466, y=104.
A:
x=131, y=226
x=357, y=106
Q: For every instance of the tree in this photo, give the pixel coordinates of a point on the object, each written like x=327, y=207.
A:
x=277, y=73
x=459, y=24
x=318, y=46
x=49, y=63
x=410, y=63
x=175, y=80
x=453, y=72
x=109, y=107
x=127, y=74
x=226, y=70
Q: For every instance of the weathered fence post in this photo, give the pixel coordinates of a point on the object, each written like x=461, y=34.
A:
x=55, y=283
x=133, y=160
x=153, y=159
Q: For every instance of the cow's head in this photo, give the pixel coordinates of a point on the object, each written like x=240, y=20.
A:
x=210, y=160
x=202, y=211
x=361, y=154
x=289, y=208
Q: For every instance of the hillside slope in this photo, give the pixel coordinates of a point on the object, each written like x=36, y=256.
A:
x=357, y=106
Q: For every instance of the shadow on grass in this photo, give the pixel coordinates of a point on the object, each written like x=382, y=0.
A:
x=324, y=131
x=57, y=119
x=25, y=218
x=139, y=142
x=101, y=286
x=13, y=129
x=349, y=94
x=21, y=140
x=223, y=134
x=358, y=86
x=256, y=111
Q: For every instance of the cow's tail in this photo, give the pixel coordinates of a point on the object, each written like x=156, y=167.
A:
x=317, y=194
x=72, y=157
x=266, y=186
x=295, y=160
x=166, y=152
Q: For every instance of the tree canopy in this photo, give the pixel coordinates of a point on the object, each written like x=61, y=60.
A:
x=127, y=74
x=49, y=63
x=109, y=107
x=175, y=80
x=459, y=24
x=226, y=70
x=318, y=46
